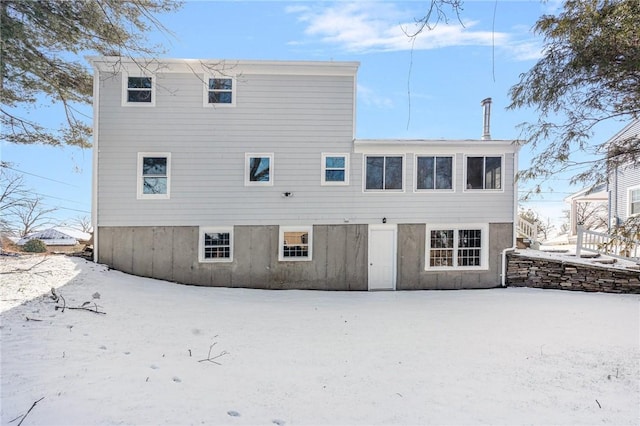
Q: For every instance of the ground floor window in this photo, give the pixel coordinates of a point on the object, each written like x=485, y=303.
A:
x=295, y=243
x=634, y=201
x=216, y=244
x=464, y=246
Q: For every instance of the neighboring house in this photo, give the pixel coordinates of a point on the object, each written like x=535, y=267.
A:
x=588, y=207
x=624, y=181
x=59, y=239
x=247, y=174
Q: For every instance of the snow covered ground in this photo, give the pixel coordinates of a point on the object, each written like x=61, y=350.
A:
x=503, y=356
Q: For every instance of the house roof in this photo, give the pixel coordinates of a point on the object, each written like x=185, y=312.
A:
x=630, y=130
x=592, y=193
x=59, y=236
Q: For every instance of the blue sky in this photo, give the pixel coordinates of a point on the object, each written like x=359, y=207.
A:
x=431, y=91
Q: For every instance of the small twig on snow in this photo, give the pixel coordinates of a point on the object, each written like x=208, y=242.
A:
x=600, y=406
x=32, y=319
x=21, y=270
x=27, y=413
x=211, y=359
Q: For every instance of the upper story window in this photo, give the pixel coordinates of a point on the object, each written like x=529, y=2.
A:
x=457, y=247
x=258, y=169
x=634, y=201
x=216, y=244
x=295, y=243
x=434, y=173
x=154, y=173
x=484, y=173
x=138, y=90
x=383, y=173
x=335, y=169
x=220, y=91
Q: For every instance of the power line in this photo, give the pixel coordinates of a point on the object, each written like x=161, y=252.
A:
x=38, y=176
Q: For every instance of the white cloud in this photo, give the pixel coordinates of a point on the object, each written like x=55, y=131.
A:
x=365, y=27
x=377, y=27
x=372, y=98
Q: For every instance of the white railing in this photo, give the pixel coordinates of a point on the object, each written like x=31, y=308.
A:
x=614, y=246
x=528, y=229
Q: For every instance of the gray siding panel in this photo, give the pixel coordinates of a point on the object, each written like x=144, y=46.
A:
x=295, y=117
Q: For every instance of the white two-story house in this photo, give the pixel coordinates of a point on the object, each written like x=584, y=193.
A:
x=248, y=174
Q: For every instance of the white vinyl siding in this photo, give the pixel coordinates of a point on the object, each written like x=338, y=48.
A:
x=296, y=118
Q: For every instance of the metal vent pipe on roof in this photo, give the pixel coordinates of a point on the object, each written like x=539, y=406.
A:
x=486, y=107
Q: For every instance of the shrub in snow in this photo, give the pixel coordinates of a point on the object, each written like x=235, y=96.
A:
x=34, y=246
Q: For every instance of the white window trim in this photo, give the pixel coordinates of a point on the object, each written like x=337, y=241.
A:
x=125, y=89
x=247, y=158
x=383, y=191
x=629, y=191
x=212, y=229
x=323, y=180
x=140, y=193
x=205, y=96
x=502, y=173
x=453, y=173
x=282, y=230
x=484, y=248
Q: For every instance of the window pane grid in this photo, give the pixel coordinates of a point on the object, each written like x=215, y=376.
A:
x=449, y=248
x=383, y=173
x=296, y=244
x=434, y=173
x=220, y=90
x=139, y=89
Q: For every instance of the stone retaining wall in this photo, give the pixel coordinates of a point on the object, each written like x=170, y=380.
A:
x=526, y=271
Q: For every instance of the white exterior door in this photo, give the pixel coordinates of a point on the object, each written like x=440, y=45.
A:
x=382, y=257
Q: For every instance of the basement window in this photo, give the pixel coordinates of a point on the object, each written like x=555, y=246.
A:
x=215, y=244
x=295, y=243
x=457, y=247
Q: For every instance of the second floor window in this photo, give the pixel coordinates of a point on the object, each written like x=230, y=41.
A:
x=484, y=173
x=153, y=175
x=434, y=173
x=220, y=91
x=383, y=173
x=335, y=169
x=259, y=169
x=139, y=90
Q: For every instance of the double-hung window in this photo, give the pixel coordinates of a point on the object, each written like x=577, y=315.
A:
x=335, y=169
x=484, y=172
x=295, y=243
x=154, y=174
x=634, y=201
x=138, y=90
x=462, y=247
x=220, y=91
x=384, y=173
x=216, y=244
x=258, y=169
x=434, y=173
